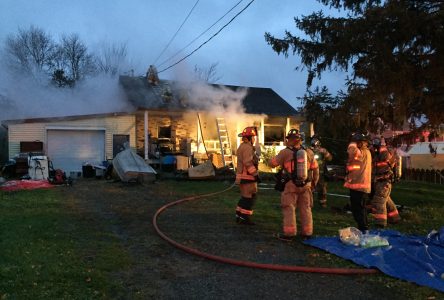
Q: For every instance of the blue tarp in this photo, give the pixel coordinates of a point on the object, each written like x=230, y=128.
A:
x=412, y=258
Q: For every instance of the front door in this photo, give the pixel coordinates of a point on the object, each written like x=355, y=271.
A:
x=119, y=141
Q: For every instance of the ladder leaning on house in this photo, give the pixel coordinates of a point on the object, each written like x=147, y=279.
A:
x=225, y=146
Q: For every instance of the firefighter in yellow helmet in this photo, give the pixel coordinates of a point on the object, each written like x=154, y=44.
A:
x=358, y=178
x=302, y=174
x=384, y=209
x=247, y=176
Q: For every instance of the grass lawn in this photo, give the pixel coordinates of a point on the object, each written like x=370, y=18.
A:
x=424, y=211
x=46, y=252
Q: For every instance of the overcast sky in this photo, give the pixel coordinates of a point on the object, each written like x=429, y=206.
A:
x=146, y=26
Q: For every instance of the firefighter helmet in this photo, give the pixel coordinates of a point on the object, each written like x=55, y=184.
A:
x=377, y=142
x=359, y=137
x=315, y=142
x=248, y=131
x=294, y=133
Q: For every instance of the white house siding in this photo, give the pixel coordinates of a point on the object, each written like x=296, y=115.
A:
x=33, y=131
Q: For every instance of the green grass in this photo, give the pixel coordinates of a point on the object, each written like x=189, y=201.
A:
x=424, y=212
x=50, y=252
x=47, y=252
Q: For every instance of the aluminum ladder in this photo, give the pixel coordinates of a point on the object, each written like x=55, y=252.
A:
x=224, y=140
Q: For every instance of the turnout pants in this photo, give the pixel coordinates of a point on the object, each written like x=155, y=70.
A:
x=358, y=208
x=321, y=189
x=300, y=198
x=383, y=206
x=245, y=205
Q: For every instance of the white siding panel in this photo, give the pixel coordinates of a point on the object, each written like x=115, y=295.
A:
x=24, y=132
x=37, y=131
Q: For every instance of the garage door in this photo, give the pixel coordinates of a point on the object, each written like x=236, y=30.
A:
x=70, y=149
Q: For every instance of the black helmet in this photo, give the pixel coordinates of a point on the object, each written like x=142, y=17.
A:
x=315, y=142
x=294, y=133
x=359, y=137
x=377, y=142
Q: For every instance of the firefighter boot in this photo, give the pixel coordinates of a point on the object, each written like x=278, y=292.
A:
x=244, y=211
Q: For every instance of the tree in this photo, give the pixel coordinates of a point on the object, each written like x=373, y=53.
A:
x=74, y=53
x=324, y=110
x=394, y=49
x=33, y=52
x=60, y=79
x=112, y=58
x=207, y=74
x=30, y=50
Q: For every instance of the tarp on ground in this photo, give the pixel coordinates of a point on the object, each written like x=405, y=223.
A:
x=412, y=258
x=16, y=185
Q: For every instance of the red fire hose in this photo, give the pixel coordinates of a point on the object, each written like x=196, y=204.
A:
x=288, y=268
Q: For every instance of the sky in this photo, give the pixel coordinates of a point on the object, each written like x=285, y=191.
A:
x=146, y=26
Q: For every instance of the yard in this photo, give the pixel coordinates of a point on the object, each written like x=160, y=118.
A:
x=96, y=240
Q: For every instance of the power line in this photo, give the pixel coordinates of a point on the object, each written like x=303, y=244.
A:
x=175, y=54
x=180, y=27
x=185, y=57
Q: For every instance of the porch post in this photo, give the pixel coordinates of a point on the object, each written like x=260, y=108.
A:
x=146, y=134
x=287, y=126
x=262, y=137
x=199, y=135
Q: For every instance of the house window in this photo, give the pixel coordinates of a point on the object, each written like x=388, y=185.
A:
x=164, y=132
x=273, y=135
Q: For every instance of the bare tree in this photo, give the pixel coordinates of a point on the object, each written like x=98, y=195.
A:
x=207, y=74
x=79, y=63
x=112, y=58
x=30, y=50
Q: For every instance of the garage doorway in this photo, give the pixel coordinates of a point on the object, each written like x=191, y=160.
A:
x=70, y=149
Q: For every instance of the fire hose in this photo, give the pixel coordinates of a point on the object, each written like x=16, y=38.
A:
x=242, y=263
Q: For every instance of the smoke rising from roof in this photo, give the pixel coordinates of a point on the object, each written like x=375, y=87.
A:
x=216, y=100
x=23, y=96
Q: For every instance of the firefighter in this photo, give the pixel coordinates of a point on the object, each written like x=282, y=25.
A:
x=321, y=155
x=302, y=175
x=247, y=176
x=384, y=209
x=358, y=178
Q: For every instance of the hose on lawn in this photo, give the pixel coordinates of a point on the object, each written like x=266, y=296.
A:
x=242, y=263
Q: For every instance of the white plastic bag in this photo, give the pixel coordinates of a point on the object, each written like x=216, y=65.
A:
x=350, y=236
x=353, y=236
x=372, y=240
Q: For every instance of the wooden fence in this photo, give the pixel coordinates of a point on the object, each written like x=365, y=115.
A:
x=429, y=175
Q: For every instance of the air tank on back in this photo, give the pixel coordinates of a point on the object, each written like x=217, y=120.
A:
x=301, y=164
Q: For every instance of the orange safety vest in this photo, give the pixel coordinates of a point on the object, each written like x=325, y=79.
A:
x=358, y=169
x=247, y=162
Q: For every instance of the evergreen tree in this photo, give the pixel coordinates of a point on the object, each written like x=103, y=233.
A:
x=393, y=48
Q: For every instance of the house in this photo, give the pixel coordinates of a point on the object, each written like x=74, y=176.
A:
x=427, y=155
x=168, y=116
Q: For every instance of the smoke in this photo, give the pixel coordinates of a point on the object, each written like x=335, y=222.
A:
x=25, y=96
x=215, y=99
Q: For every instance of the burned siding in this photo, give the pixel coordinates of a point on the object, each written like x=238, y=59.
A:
x=183, y=128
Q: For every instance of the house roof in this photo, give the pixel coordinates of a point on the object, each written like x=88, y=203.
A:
x=169, y=95
x=6, y=123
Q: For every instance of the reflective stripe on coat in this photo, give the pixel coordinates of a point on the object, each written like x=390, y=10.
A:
x=358, y=169
x=246, y=162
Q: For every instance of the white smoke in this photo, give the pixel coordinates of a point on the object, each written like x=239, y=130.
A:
x=24, y=97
